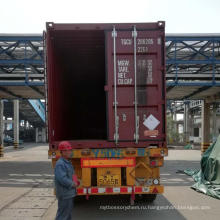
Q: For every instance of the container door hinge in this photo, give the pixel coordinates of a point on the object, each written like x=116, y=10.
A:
x=114, y=33
x=134, y=33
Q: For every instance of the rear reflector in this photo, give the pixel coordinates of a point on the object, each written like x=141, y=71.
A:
x=109, y=190
x=157, y=162
x=155, y=190
x=80, y=191
x=124, y=189
x=153, y=163
x=107, y=162
x=116, y=190
x=101, y=190
x=94, y=190
x=138, y=189
x=120, y=190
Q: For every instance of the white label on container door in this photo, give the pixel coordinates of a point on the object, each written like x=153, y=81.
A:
x=123, y=72
x=151, y=122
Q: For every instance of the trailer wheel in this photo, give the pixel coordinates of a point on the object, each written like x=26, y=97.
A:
x=149, y=198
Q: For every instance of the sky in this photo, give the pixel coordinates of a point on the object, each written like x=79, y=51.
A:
x=181, y=16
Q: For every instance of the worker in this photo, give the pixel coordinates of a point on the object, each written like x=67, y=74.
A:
x=64, y=185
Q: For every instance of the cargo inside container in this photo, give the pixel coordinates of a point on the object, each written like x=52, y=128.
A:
x=78, y=75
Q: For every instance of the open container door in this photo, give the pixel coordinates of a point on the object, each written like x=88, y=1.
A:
x=136, y=93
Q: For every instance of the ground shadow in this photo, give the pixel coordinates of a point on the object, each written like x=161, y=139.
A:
x=118, y=207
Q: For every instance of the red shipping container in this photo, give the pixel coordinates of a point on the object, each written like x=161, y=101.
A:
x=106, y=84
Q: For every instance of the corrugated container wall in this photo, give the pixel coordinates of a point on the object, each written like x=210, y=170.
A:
x=106, y=84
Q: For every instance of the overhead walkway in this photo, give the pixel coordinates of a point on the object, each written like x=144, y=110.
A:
x=192, y=66
x=22, y=75
x=192, y=73
x=178, y=106
x=21, y=66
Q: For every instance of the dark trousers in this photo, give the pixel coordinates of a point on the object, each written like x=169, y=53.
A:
x=65, y=207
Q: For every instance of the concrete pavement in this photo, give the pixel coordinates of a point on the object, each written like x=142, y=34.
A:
x=26, y=191
x=26, y=183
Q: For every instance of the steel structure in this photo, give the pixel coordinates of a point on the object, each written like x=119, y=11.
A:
x=32, y=111
x=178, y=106
x=192, y=71
x=21, y=66
x=193, y=65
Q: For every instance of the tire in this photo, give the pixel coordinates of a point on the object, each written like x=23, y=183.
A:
x=148, y=198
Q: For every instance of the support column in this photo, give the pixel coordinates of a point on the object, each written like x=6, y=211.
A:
x=171, y=115
x=44, y=135
x=205, y=126
x=175, y=123
x=177, y=127
x=190, y=127
x=1, y=129
x=186, y=123
x=27, y=125
x=16, y=124
x=36, y=135
x=191, y=123
x=174, y=116
x=214, y=126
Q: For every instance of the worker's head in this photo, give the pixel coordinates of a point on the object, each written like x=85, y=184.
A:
x=65, y=149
